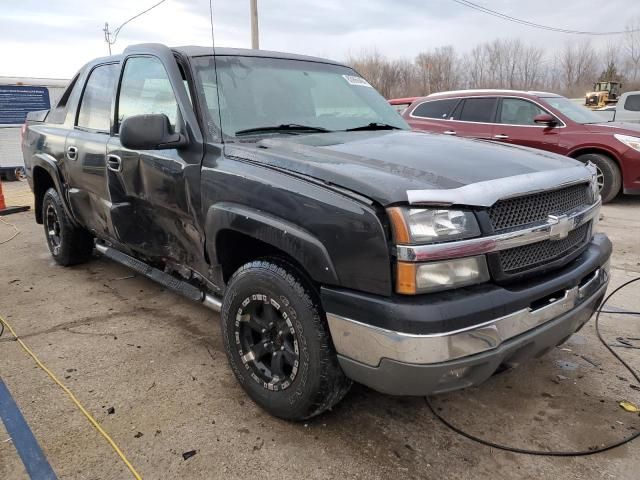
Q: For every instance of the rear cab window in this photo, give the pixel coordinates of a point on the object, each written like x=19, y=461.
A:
x=440, y=109
x=632, y=103
x=479, y=110
x=95, y=105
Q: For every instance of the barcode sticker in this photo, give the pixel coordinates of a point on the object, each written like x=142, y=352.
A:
x=358, y=81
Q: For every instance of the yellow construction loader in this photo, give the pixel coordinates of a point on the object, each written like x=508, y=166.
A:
x=603, y=94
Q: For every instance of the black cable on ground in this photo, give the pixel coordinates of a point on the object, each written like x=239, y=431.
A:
x=550, y=453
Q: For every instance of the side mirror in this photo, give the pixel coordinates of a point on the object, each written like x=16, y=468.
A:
x=545, y=119
x=149, y=132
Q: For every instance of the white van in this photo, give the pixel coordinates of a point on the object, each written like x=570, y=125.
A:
x=19, y=96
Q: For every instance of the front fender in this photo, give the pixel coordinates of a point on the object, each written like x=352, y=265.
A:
x=288, y=237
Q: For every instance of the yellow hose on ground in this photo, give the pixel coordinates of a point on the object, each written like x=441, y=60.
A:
x=92, y=420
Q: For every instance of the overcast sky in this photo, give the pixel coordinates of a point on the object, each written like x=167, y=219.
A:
x=49, y=38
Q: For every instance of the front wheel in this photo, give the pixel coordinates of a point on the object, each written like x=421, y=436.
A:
x=278, y=343
x=68, y=243
x=608, y=174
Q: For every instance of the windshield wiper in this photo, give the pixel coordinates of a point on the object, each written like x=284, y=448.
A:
x=285, y=127
x=374, y=126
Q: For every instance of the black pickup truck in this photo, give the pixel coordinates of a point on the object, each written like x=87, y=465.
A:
x=338, y=245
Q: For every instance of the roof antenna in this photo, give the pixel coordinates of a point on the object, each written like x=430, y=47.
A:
x=215, y=69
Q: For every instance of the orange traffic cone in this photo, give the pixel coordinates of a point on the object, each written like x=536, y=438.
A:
x=2, y=204
x=4, y=210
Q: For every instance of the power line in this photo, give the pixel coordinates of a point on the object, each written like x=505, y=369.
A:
x=509, y=18
x=111, y=37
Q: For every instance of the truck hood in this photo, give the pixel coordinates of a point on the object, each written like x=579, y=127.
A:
x=384, y=165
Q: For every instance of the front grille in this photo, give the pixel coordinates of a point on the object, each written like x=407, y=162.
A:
x=526, y=257
x=518, y=212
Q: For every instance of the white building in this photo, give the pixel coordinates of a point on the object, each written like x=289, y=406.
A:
x=18, y=96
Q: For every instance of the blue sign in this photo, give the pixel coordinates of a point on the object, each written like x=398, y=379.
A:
x=18, y=100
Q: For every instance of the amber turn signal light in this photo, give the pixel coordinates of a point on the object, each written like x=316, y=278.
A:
x=399, y=225
x=406, y=278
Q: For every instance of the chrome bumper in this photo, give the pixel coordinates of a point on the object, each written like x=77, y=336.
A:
x=369, y=345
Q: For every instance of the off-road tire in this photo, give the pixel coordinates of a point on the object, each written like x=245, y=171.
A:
x=70, y=244
x=608, y=168
x=319, y=383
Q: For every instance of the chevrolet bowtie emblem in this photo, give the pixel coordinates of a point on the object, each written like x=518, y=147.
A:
x=560, y=226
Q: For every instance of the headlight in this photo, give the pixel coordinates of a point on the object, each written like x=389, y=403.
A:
x=629, y=141
x=426, y=225
x=413, y=278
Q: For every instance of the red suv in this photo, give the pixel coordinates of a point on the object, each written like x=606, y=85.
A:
x=540, y=120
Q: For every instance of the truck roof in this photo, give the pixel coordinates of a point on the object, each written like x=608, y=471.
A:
x=199, y=51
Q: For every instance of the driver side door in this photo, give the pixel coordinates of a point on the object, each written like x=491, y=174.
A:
x=154, y=193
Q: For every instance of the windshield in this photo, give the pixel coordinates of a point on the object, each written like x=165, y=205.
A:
x=574, y=111
x=258, y=92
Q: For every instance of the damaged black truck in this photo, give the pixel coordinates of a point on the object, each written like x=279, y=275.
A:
x=338, y=245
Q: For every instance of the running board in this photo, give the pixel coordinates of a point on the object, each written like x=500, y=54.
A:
x=179, y=286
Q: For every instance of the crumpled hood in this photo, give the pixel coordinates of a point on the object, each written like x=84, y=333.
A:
x=383, y=165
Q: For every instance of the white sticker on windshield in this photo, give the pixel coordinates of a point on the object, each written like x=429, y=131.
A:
x=359, y=81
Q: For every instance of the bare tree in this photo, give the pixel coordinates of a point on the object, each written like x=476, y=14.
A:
x=632, y=48
x=505, y=63
x=578, y=65
x=438, y=70
x=475, y=66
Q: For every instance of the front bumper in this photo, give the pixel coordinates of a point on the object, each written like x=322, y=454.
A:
x=404, y=363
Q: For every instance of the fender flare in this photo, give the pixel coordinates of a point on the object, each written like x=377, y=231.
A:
x=295, y=241
x=50, y=165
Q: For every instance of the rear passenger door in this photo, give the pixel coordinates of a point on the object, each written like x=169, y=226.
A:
x=474, y=117
x=432, y=115
x=154, y=193
x=84, y=166
x=515, y=125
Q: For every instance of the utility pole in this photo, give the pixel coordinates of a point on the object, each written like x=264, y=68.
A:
x=255, y=34
x=107, y=35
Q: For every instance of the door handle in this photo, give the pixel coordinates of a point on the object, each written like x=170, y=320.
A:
x=72, y=153
x=501, y=136
x=114, y=163
x=449, y=132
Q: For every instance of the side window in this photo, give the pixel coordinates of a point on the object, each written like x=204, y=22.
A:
x=59, y=113
x=516, y=111
x=477, y=110
x=145, y=89
x=632, y=103
x=95, y=106
x=441, y=109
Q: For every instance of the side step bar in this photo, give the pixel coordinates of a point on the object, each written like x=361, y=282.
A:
x=179, y=286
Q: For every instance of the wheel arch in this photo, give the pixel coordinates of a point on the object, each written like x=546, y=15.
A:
x=236, y=234
x=45, y=174
x=597, y=150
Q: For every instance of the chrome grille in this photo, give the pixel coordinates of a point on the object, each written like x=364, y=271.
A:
x=517, y=212
x=518, y=259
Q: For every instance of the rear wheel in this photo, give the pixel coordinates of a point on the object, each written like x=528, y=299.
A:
x=16, y=174
x=67, y=243
x=608, y=174
x=278, y=343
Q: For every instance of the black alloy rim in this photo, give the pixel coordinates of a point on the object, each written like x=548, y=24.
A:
x=52, y=224
x=267, y=342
